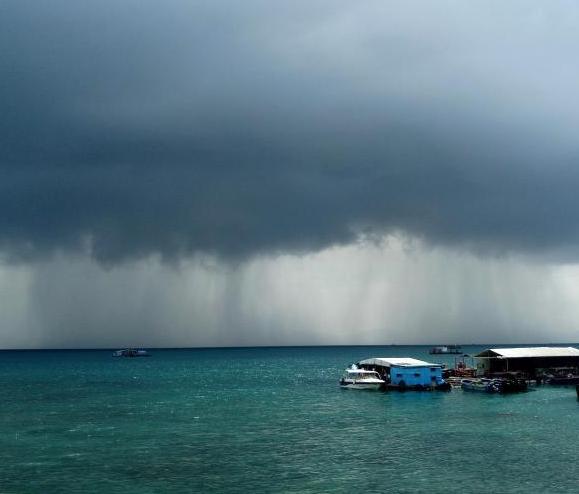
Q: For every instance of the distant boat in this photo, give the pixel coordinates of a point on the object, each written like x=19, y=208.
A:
x=131, y=352
x=446, y=349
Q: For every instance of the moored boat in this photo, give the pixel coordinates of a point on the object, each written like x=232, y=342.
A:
x=561, y=377
x=361, y=379
x=482, y=385
x=498, y=386
x=454, y=381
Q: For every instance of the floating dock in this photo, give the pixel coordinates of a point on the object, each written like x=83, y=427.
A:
x=406, y=373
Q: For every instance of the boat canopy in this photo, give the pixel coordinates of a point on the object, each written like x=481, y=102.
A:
x=397, y=362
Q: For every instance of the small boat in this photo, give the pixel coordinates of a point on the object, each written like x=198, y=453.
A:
x=454, y=381
x=482, y=385
x=498, y=385
x=361, y=379
x=563, y=380
x=446, y=350
x=562, y=377
x=131, y=352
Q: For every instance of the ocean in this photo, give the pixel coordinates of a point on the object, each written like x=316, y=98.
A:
x=263, y=420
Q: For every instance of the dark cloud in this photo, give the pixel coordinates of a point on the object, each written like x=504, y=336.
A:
x=238, y=128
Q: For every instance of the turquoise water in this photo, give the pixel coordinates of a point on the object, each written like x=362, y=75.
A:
x=269, y=420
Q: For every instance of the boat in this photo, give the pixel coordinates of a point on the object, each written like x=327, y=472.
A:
x=482, y=385
x=460, y=369
x=568, y=380
x=131, y=352
x=361, y=379
x=497, y=385
x=446, y=350
x=561, y=377
x=454, y=381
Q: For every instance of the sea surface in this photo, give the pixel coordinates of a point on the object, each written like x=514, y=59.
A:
x=259, y=420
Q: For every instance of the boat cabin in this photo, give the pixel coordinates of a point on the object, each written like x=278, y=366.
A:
x=357, y=374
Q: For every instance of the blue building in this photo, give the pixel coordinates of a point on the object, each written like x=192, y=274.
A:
x=405, y=373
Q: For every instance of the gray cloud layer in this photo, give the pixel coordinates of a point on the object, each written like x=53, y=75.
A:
x=239, y=128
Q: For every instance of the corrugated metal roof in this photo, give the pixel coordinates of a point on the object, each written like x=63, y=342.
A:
x=543, y=351
x=401, y=361
x=360, y=371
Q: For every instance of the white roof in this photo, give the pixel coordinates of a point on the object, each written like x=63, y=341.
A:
x=360, y=371
x=542, y=351
x=397, y=361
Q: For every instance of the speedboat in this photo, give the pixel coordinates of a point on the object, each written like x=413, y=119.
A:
x=131, y=352
x=361, y=379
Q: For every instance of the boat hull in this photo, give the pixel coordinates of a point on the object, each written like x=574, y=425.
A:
x=477, y=387
x=363, y=386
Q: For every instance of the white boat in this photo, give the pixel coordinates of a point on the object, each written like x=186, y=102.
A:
x=454, y=381
x=361, y=379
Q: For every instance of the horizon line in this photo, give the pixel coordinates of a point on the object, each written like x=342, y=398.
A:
x=233, y=347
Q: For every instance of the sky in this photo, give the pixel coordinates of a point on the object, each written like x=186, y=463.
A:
x=214, y=173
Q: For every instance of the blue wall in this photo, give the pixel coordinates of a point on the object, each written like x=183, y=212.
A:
x=413, y=376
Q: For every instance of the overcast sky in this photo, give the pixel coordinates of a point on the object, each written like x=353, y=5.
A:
x=229, y=173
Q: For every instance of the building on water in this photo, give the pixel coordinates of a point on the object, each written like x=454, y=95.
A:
x=531, y=361
x=406, y=373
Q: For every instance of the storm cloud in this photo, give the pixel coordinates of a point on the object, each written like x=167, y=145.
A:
x=132, y=128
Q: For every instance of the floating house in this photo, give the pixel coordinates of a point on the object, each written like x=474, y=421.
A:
x=405, y=373
x=525, y=360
